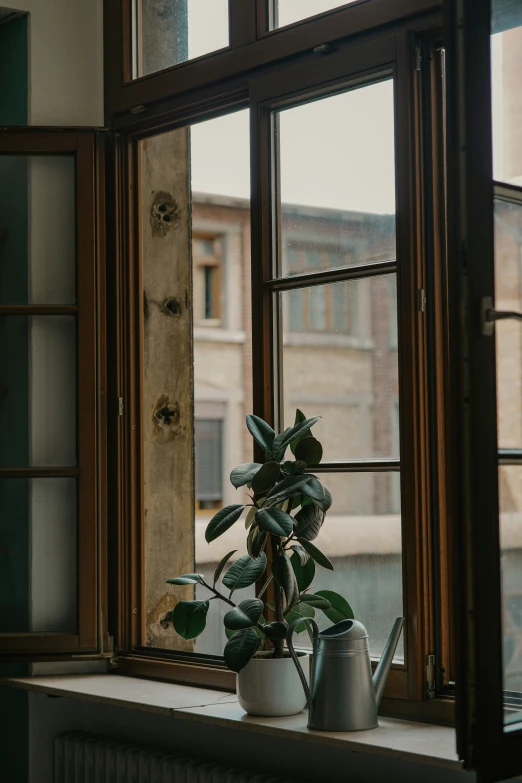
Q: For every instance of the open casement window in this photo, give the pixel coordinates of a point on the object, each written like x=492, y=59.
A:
x=156, y=51
x=485, y=62
x=50, y=301
x=323, y=308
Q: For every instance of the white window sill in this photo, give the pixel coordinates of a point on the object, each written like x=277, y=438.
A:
x=414, y=742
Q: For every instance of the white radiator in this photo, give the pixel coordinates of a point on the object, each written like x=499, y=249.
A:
x=80, y=757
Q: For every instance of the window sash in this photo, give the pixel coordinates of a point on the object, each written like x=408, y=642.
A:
x=89, y=377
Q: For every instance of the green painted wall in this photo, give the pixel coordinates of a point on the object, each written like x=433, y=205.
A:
x=14, y=418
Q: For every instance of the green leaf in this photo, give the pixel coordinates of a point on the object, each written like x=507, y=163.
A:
x=262, y=432
x=186, y=579
x=301, y=553
x=250, y=517
x=317, y=601
x=317, y=555
x=294, y=468
x=266, y=477
x=244, y=474
x=304, y=574
x=189, y=618
x=308, y=522
x=222, y=521
x=245, y=615
x=314, y=490
x=310, y=451
x=294, y=433
x=299, y=418
x=286, y=488
x=276, y=630
x=229, y=634
x=275, y=522
x=240, y=648
x=256, y=541
x=299, y=612
x=285, y=578
x=339, y=610
x=244, y=572
x=222, y=564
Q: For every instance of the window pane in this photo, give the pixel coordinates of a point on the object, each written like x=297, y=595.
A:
x=508, y=296
x=37, y=229
x=506, y=51
x=337, y=181
x=38, y=555
x=339, y=361
x=37, y=391
x=510, y=484
x=205, y=402
x=290, y=11
x=169, y=32
x=361, y=535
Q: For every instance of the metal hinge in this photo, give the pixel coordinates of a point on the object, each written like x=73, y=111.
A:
x=422, y=300
x=120, y=406
x=430, y=676
x=418, y=58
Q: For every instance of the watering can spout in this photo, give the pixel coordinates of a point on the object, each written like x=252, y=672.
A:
x=383, y=668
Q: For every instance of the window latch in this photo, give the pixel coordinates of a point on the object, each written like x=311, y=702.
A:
x=488, y=316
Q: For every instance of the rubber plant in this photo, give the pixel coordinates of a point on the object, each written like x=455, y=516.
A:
x=288, y=508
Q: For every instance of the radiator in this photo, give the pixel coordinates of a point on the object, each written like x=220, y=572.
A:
x=80, y=757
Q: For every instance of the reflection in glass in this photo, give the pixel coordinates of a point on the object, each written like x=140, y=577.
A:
x=38, y=555
x=337, y=181
x=340, y=362
x=172, y=32
x=361, y=535
x=508, y=296
x=510, y=487
x=290, y=11
x=37, y=391
x=37, y=229
x=506, y=60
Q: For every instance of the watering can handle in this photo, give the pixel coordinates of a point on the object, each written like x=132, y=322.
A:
x=295, y=659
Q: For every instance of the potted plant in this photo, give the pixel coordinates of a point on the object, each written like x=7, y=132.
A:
x=286, y=511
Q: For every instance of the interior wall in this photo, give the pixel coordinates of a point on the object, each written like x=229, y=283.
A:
x=65, y=61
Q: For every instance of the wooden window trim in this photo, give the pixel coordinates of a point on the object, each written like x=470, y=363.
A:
x=83, y=146
x=406, y=694
x=155, y=94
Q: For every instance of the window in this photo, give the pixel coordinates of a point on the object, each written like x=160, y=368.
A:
x=289, y=11
x=209, y=464
x=207, y=252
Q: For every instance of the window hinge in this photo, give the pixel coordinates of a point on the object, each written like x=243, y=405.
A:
x=120, y=406
x=418, y=58
x=422, y=300
x=430, y=676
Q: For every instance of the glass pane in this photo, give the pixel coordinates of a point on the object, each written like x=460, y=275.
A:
x=207, y=235
x=337, y=181
x=169, y=33
x=508, y=296
x=339, y=361
x=361, y=535
x=37, y=391
x=510, y=485
x=37, y=229
x=38, y=555
x=290, y=11
x=506, y=52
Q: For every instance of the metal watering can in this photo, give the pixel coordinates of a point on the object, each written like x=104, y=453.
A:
x=343, y=695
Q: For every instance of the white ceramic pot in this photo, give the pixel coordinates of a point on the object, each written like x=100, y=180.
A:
x=271, y=686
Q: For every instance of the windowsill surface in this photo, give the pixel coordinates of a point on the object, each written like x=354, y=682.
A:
x=399, y=739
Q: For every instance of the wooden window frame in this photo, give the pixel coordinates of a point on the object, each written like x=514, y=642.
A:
x=90, y=379
x=390, y=51
x=252, y=46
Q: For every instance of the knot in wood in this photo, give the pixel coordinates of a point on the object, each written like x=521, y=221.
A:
x=164, y=214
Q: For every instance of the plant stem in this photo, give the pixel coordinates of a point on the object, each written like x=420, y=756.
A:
x=265, y=586
x=278, y=601
x=218, y=594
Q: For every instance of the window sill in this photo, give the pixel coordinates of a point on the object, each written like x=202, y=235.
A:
x=398, y=739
